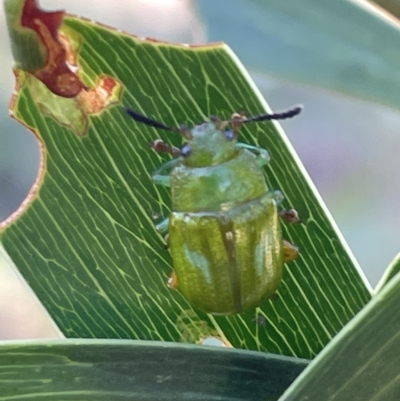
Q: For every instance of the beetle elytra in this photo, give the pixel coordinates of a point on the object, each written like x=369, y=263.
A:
x=224, y=230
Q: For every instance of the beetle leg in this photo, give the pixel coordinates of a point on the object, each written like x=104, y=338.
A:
x=290, y=251
x=262, y=155
x=275, y=296
x=172, y=282
x=162, y=227
x=290, y=215
x=166, y=239
x=162, y=147
x=277, y=196
x=161, y=175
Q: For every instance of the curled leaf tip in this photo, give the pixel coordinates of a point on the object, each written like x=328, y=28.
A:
x=32, y=15
x=56, y=74
x=37, y=47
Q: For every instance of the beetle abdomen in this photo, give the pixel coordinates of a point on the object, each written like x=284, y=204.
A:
x=228, y=261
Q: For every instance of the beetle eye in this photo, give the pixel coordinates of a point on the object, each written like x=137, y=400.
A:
x=229, y=135
x=186, y=150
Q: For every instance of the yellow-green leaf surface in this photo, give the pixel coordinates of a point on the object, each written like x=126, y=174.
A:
x=362, y=361
x=140, y=370
x=87, y=244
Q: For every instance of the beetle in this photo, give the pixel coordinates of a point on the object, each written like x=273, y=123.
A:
x=224, y=231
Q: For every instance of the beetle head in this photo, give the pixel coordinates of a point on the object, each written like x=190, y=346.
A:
x=206, y=144
x=209, y=143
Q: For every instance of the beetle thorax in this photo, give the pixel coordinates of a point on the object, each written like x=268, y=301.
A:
x=214, y=188
x=209, y=146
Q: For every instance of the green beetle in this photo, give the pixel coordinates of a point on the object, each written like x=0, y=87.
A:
x=224, y=231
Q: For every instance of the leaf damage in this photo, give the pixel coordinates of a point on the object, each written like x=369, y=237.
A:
x=64, y=96
x=56, y=74
x=101, y=96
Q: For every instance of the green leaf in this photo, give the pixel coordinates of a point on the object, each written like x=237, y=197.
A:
x=390, y=272
x=345, y=46
x=140, y=370
x=87, y=243
x=362, y=361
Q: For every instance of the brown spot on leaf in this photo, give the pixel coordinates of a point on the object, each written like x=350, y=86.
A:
x=103, y=94
x=56, y=74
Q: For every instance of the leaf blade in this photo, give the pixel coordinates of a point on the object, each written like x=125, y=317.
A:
x=124, y=369
x=89, y=230
x=361, y=362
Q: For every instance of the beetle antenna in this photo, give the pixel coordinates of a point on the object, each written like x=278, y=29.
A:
x=183, y=130
x=140, y=118
x=294, y=111
x=238, y=119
